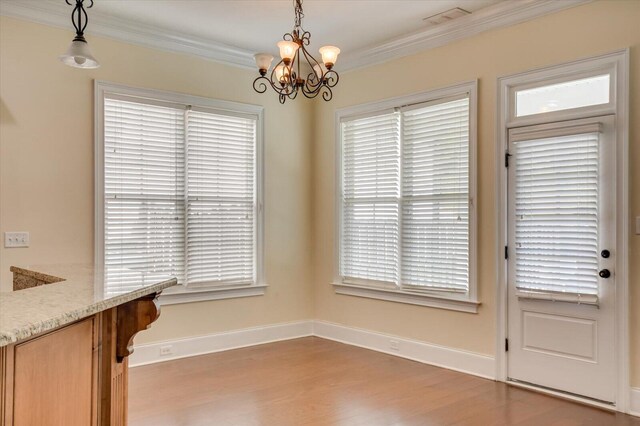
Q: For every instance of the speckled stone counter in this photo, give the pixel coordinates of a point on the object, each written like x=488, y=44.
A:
x=82, y=292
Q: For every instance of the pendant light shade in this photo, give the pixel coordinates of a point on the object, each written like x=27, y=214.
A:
x=79, y=56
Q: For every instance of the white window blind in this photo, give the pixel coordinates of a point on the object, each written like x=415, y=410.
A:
x=144, y=189
x=405, y=198
x=180, y=192
x=435, y=187
x=371, y=187
x=221, y=225
x=556, y=209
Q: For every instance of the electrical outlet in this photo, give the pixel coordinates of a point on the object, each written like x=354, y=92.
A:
x=166, y=350
x=16, y=239
x=394, y=345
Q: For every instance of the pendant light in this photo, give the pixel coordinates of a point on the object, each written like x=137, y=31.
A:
x=78, y=55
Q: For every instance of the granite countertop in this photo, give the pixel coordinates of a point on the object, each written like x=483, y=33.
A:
x=82, y=292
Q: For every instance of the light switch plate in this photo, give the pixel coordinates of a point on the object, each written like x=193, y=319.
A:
x=16, y=239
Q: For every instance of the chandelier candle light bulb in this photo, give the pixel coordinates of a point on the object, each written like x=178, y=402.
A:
x=263, y=61
x=288, y=50
x=329, y=55
x=290, y=76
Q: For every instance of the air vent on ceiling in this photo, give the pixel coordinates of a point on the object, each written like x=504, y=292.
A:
x=446, y=16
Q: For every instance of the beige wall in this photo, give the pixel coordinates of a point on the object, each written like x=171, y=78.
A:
x=46, y=166
x=583, y=31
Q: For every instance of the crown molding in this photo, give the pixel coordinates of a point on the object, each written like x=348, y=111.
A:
x=129, y=31
x=502, y=14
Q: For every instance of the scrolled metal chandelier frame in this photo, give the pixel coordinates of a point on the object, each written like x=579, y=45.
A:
x=291, y=76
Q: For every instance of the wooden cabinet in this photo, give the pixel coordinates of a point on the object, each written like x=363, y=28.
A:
x=75, y=375
x=54, y=383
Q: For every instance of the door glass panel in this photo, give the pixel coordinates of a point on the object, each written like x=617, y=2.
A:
x=556, y=214
x=561, y=96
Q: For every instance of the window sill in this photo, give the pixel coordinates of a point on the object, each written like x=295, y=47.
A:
x=441, y=301
x=180, y=294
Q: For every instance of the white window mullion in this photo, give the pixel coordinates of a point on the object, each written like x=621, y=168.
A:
x=400, y=197
x=185, y=150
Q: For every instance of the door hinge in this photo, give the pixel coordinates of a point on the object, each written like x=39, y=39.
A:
x=506, y=252
x=506, y=345
x=506, y=159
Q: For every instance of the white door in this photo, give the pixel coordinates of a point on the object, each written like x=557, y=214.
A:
x=561, y=257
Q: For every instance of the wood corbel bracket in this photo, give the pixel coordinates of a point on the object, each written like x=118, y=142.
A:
x=133, y=317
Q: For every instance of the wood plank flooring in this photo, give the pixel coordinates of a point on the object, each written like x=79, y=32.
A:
x=312, y=381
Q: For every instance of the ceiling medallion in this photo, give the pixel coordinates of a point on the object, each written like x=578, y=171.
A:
x=286, y=78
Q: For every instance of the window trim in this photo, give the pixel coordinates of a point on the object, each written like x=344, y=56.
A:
x=467, y=302
x=181, y=294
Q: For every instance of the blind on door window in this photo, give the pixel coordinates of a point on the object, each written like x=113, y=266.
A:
x=221, y=199
x=371, y=173
x=143, y=190
x=556, y=213
x=435, y=196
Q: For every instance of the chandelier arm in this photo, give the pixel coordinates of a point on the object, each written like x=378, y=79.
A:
x=327, y=94
x=313, y=74
x=298, y=60
x=305, y=38
x=331, y=78
x=310, y=94
x=277, y=85
x=259, y=85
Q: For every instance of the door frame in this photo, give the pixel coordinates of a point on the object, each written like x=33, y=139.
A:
x=617, y=63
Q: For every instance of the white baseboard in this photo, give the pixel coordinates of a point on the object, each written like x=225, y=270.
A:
x=440, y=356
x=200, y=345
x=453, y=359
x=634, y=402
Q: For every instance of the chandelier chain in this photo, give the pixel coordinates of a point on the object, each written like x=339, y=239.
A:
x=299, y=13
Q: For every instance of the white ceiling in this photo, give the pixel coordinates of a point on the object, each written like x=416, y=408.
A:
x=256, y=25
x=230, y=31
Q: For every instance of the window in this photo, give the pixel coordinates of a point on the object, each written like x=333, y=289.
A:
x=406, y=185
x=179, y=191
x=571, y=94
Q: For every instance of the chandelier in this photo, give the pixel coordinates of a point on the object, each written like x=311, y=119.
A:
x=78, y=55
x=287, y=78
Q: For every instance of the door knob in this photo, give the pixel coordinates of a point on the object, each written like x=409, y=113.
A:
x=604, y=273
x=605, y=254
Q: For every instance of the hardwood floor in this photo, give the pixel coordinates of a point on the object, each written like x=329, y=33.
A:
x=312, y=381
